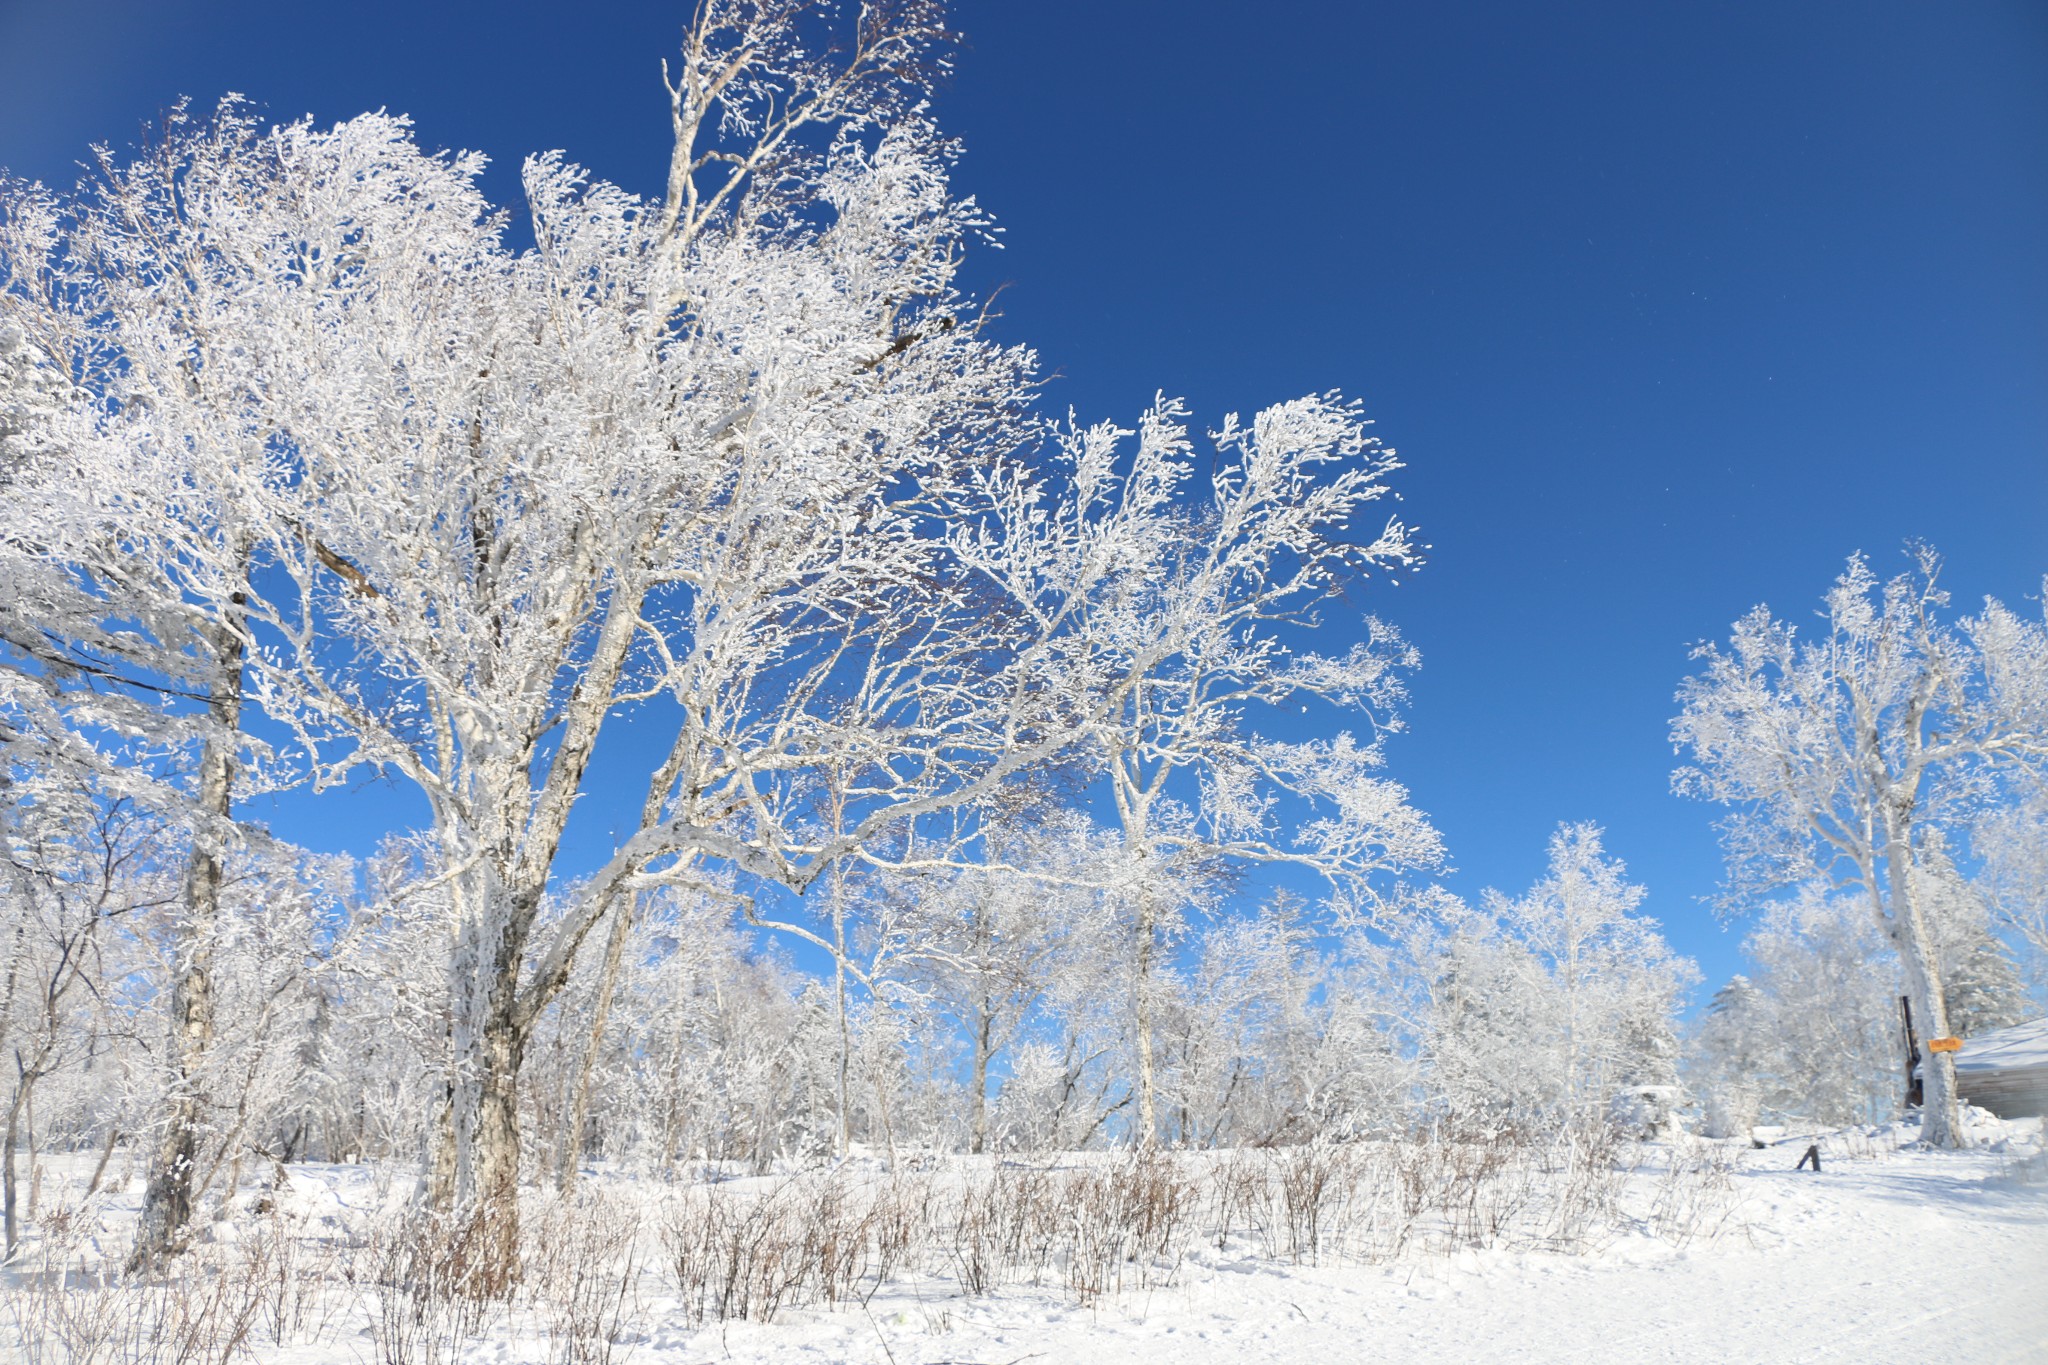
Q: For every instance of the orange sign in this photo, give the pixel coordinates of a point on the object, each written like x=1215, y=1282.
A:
x=1944, y=1045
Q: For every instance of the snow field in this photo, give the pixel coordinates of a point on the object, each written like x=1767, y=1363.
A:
x=1371, y=1251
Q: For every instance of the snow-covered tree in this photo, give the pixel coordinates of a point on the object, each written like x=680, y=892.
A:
x=78, y=869
x=311, y=473
x=124, y=567
x=1162, y=596
x=1842, y=753
x=983, y=944
x=1268, y=1040
x=1980, y=977
x=2011, y=843
x=1547, y=1004
x=1724, y=1059
x=451, y=507
x=1811, y=1033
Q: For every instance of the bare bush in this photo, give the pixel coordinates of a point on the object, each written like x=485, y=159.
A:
x=1695, y=1197
x=1003, y=1226
x=815, y=1238
x=422, y=1287
x=1128, y=1221
x=202, y=1311
x=584, y=1265
x=1091, y=1227
x=1585, y=1186
x=1133, y=1222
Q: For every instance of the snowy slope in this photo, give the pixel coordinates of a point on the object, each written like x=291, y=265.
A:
x=1916, y=1257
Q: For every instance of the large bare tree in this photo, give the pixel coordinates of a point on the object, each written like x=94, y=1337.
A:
x=1844, y=755
x=682, y=458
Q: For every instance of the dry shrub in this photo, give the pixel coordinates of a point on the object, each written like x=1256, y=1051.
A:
x=900, y=1221
x=1238, y=1185
x=829, y=1238
x=1003, y=1226
x=1102, y=1226
x=1695, y=1196
x=295, y=1276
x=1317, y=1182
x=1585, y=1184
x=583, y=1266
x=814, y=1238
x=201, y=1311
x=1133, y=1222
x=1128, y=1221
x=422, y=1287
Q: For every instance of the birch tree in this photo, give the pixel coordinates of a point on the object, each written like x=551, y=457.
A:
x=484, y=501
x=127, y=542
x=1167, y=600
x=1842, y=756
x=2011, y=840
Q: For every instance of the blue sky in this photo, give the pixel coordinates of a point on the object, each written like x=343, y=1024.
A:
x=1669, y=307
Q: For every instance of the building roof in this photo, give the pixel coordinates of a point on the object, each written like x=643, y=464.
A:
x=2006, y=1049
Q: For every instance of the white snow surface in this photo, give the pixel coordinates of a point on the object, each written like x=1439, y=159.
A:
x=1890, y=1253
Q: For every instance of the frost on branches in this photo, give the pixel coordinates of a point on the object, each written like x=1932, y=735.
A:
x=1855, y=759
x=311, y=477
x=292, y=431
x=2011, y=843
x=1553, y=1006
x=1160, y=597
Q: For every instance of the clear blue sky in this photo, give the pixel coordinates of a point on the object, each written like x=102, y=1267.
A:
x=1669, y=306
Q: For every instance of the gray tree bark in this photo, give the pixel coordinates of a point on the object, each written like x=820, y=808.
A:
x=167, y=1196
x=1141, y=1002
x=579, y=1104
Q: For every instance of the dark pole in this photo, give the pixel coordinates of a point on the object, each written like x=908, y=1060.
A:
x=1914, y=1095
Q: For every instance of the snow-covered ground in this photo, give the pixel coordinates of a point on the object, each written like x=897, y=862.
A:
x=1910, y=1256
x=1890, y=1253
x=1915, y=1259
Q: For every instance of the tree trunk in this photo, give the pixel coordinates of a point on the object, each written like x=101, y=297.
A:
x=7, y=1175
x=1940, y=1114
x=840, y=1002
x=678, y=1117
x=977, y=1138
x=882, y=1112
x=21, y=1080
x=579, y=1104
x=845, y=1140
x=99, y=1171
x=1141, y=1001
x=493, y=1213
x=167, y=1197
x=482, y=1170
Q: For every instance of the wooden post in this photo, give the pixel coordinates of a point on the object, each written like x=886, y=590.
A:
x=1914, y=1092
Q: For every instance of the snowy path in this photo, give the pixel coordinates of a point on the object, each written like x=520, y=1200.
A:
x=1911, y=1258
